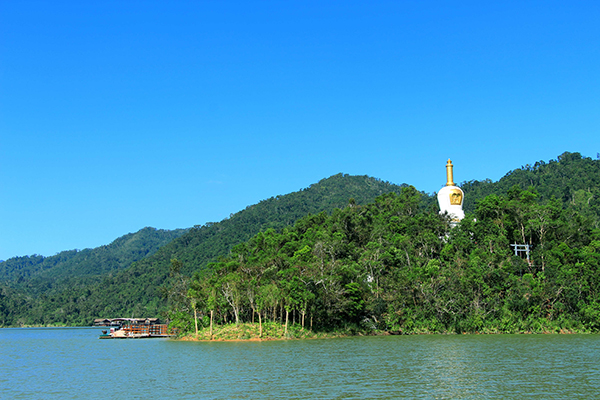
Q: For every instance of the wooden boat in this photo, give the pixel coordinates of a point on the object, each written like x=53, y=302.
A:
x=136, y=328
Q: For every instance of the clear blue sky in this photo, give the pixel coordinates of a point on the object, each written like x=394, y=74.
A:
x=119, y=115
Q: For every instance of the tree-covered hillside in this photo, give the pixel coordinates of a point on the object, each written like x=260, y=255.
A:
x=137, y=289
x=556, y=195
x=205, y=243
x=38, y=274
x=572, y=179
x=393, y=266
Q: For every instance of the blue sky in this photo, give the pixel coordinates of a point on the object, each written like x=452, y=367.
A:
x=119, y=115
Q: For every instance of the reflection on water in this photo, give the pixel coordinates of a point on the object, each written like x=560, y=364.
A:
x=73, y=363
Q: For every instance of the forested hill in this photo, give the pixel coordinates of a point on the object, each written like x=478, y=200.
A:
x=34, y=290
x=205, y=243
x=36, y=274
x=137, y=290
x=572, y=179
x=393, y=266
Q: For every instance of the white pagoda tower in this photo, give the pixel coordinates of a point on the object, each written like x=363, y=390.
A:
x=451, y=197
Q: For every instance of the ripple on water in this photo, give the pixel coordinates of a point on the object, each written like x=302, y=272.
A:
x=73, y=363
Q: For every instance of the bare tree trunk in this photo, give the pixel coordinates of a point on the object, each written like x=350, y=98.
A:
x=286, y=322
x=237, y=317
x=259, y=325
x=196, y=321
x=211, y=323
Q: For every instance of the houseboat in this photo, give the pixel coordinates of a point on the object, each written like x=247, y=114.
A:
x=132, y=328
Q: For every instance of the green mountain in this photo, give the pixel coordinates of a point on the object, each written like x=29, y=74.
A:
x=137, y=289
x=37, y=292
x=202, y=244
x=394, y=266
x=572, y=179
x=38, y=274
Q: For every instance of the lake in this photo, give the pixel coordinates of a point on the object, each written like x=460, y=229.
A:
x=72, y=363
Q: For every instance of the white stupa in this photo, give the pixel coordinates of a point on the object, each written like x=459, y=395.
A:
x=451, y=197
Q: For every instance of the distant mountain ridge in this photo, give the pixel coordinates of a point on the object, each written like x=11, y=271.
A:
x=202, y=244
x=137, y=289
x=38, y=273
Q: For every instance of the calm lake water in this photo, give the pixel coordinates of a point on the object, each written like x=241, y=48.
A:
x=72, y=363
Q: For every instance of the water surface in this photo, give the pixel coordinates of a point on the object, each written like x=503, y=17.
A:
x=71, y=363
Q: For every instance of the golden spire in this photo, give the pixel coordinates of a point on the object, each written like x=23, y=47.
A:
x=449, y=174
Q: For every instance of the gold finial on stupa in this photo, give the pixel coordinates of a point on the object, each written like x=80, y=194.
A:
x=449, y=174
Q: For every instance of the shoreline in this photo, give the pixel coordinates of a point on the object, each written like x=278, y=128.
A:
x=248, y=332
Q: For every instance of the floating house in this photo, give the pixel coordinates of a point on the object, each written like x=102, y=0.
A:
x=132, y=328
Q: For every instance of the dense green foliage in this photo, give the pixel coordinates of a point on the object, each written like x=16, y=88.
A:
x=38, y=274
x=202, y=244
x=137, y=289
x=393, y=266
x=44, y=290
x=572, y=179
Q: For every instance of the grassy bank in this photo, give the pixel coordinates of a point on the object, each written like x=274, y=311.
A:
x=270, y=331
x=276, y=331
